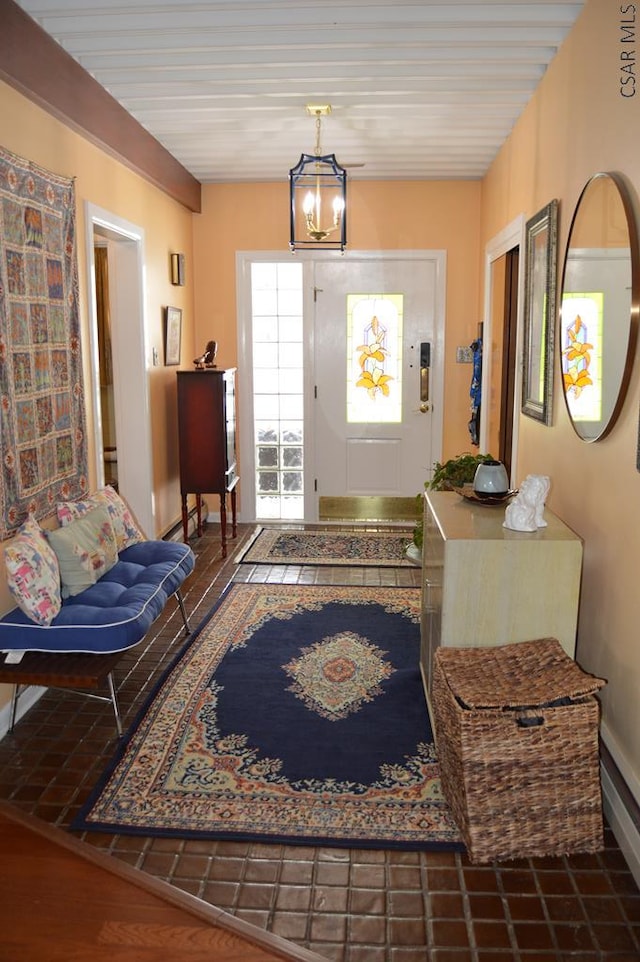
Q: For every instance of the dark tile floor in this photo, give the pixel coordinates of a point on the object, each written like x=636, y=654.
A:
x=351, y=906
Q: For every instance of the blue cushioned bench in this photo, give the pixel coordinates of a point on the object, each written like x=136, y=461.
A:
x=105, y=619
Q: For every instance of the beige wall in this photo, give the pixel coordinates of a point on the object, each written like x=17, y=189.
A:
x=382, y=216
x=577, y=124
x=30, y=132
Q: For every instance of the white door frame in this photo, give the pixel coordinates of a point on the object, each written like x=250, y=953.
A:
x=513, y=235
x=125, y=242
x=245, y=355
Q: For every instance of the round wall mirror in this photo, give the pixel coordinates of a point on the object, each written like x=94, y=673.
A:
x=599, y=305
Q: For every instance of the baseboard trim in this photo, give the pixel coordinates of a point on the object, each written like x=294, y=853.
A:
x=176, y=532
x=26, y=701
x=621, y=811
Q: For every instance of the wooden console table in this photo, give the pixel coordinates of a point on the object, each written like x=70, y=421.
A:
x=483, y=584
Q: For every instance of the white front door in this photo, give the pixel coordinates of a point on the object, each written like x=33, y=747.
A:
x=377, y=423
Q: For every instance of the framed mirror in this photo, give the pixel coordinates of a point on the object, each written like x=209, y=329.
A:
x=541, y=268
x=599, y=305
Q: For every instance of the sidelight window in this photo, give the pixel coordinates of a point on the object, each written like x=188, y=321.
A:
x=276, y=297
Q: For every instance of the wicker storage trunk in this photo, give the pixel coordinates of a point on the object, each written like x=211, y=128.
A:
x=517, y=741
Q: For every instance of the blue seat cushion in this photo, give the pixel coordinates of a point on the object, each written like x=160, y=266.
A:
x=115, y=613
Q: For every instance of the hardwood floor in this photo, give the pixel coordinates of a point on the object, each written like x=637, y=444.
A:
x=64, y=900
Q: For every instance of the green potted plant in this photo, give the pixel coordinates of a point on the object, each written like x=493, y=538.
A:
x=448, y=475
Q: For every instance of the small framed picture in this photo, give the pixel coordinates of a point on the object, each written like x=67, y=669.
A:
x=177, y=269
x=173, y=335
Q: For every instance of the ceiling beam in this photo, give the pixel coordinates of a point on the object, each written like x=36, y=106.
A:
x=33, y=63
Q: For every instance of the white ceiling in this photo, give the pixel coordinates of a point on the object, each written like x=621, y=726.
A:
x=418, y=89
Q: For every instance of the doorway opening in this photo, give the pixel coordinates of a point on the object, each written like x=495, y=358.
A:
x=502, y=339
x=504, y=328
x=130, y=431
x=109, y=447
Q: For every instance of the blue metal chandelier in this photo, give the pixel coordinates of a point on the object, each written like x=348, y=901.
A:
x=318, y=197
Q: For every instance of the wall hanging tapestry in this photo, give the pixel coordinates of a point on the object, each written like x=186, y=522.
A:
x=381, y=549
x=296, y=714
x=42, y=422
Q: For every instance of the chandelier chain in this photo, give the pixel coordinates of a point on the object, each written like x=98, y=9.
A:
x=318, y=126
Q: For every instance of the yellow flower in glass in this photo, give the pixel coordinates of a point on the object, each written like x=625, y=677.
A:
x=372, y=355
x=578, y=357
x=375, y=381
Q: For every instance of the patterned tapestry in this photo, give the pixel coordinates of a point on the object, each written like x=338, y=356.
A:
x=43, y=442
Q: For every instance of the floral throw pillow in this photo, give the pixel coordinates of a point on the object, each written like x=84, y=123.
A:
x=33, y=574
x=124, y=524
x=86, y=549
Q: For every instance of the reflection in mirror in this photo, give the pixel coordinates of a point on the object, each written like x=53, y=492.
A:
x=599, y=306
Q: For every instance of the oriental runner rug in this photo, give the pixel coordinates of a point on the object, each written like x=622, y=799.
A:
x=382, y=549
x=295, y=715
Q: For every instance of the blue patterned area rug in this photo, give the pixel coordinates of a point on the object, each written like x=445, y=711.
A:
x=296, y=714
x=382, y=549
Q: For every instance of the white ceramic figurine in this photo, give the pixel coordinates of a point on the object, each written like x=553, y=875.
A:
x=526, y=511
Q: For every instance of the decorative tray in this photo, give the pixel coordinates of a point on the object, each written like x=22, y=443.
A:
x=469, y=494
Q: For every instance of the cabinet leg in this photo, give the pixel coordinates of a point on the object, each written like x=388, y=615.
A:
x=233, y=512
x=223, y=523
x=199, y=513
x=185, y=519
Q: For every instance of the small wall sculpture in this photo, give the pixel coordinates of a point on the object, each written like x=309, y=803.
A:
x=208, y=358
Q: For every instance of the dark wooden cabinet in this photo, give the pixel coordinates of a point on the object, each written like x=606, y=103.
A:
x=207, y=439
